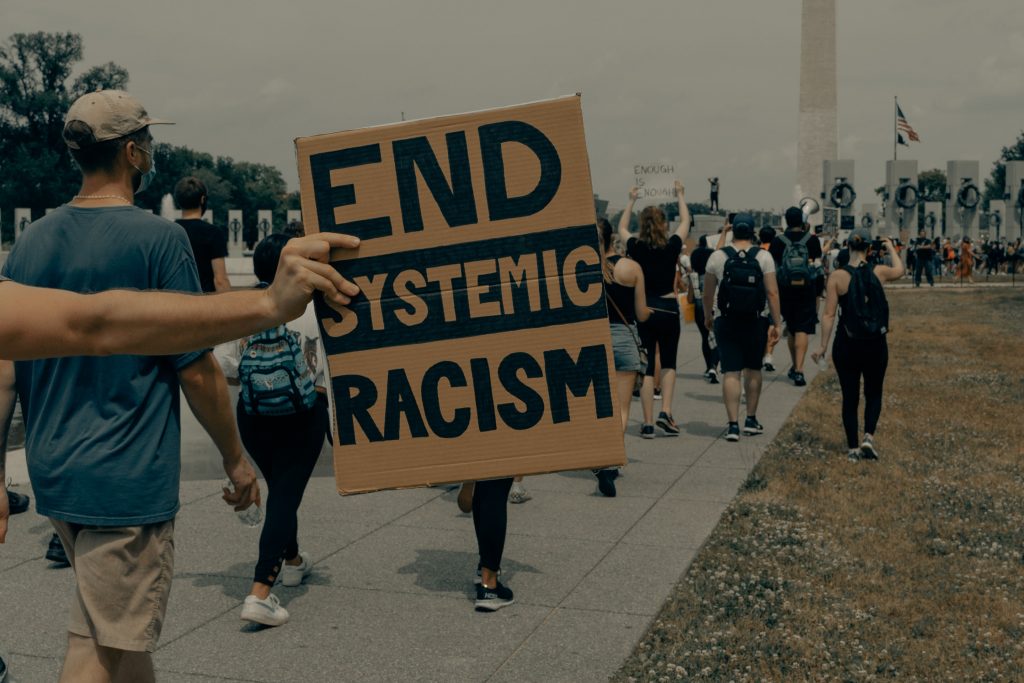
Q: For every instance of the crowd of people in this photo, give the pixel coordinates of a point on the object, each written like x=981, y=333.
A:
x=106, y=470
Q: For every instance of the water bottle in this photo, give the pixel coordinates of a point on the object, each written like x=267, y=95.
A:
x=712, y=342
x=252, y=515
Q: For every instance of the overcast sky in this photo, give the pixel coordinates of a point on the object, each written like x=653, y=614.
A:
x=709, y=86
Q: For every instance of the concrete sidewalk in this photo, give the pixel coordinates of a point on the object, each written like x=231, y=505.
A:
x=391, y=594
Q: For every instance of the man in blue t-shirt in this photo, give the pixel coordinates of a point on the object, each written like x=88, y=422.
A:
x=103, y=434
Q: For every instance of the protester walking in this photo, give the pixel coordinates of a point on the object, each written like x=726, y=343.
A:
x=860, y=349
x=966, y=260
x=658, y=253
x=627, y=304
x=924, y=251
x=283, y=420
x=209, y=244
x=797, y=255
x=695, y=294
x=740, y=294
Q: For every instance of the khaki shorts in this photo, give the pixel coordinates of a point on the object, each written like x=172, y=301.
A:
x=123, y=580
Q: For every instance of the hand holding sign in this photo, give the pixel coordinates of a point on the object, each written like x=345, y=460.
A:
x=680, y=190
x=305, y=268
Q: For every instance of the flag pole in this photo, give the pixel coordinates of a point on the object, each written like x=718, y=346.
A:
x=895, y=130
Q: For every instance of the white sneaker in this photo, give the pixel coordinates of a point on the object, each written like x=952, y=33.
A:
x=267, y=612
x=518, y=494
x=293, y=575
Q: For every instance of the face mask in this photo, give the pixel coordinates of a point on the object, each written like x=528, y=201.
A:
x=146, y=179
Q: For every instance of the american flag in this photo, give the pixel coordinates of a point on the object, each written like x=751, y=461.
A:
x=902, y=126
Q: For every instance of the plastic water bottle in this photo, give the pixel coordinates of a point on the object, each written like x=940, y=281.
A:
x=252, y=515
x=712, y=342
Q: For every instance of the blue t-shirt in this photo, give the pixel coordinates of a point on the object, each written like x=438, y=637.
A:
x=103, y=434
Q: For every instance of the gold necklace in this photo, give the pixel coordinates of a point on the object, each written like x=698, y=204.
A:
x=103, y=196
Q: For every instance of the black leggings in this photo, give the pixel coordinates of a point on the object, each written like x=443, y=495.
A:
x=660, y=333
x=855, y=358
x=286, y=449
x=490, y=519
x=710, y=354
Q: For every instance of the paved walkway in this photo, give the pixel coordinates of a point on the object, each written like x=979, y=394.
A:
x=391, y=596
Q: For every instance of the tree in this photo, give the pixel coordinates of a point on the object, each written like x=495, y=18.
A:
x=995, y=185
x=931, y=187
x=34, y=96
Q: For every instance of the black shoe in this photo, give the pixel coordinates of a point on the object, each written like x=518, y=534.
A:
x=733, y=434
x=606, y=482
x=752, y=426
x=18, y=502
x=3, y=670
x=712, y=376
x=667, y=424
x=791, y=374
x=768, y=367
x=493, y=599
x=799, y=379
x=636, y=393
x=55, y=552
x=657, y=394
x=647, y=432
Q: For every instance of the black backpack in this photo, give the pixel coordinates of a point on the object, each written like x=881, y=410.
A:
x=741, y=293
x=795, y=270
x=866, y=312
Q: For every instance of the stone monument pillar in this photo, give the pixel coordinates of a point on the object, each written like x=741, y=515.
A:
x=817, y=125
x=294, y=215
x=1014, y=195
x=22, y=218
x=837, y=183
x=235, y=225
x=903, y=197
x=963, y=199
x=264, y=222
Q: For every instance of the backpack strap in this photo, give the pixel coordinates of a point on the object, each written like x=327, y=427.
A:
x=785, y=240
x=730, y=251
x=806, y=238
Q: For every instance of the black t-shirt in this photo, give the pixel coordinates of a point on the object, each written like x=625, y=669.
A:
x=659, y=265
x=924, y=247
x=207, y=243
x=779, y=247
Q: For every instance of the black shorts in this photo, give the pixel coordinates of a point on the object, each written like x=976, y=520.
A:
x=741, y=342
x=800, y=314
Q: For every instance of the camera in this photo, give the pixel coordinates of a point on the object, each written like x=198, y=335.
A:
x=877, y=245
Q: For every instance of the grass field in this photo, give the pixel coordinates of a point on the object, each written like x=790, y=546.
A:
x=909, y=568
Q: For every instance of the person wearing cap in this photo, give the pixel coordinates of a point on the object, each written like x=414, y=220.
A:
x=102, y=434
x=741, y=336
x=855, y=358
x=799, y=303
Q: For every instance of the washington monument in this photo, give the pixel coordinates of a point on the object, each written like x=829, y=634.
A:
x=817, y=126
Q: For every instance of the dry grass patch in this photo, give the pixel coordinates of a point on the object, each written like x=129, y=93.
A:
x=910, y=568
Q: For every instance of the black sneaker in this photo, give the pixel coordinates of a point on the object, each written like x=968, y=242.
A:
x=493, y=599
x=733, y=433
x=667, y=424
x=752, y=426
x=657, y=394
x=55, y=552
x=799, y=379
x=768, y=367
x=712, y=376
x=647, y=432
x=636, y=393
x=606, y=482
x=791, y=374
x=18, y=502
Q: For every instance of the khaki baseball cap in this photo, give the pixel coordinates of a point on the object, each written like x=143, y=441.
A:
x=104, y=115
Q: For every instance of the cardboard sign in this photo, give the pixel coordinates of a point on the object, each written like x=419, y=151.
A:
x=479, y=347
x=656, y=181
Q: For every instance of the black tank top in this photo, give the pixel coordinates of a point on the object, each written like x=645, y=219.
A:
x=659, y=265
x=623, y=298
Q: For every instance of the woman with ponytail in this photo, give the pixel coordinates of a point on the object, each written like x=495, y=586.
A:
x=657, y=254
x=624, y=292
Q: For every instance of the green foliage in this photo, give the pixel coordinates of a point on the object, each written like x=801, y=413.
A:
x=932, y=185
x=36, y=170
x=995, y=185
x=35, y=93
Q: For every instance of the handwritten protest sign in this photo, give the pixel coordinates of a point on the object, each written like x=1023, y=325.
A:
x=655, y=181
x=480, y=346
